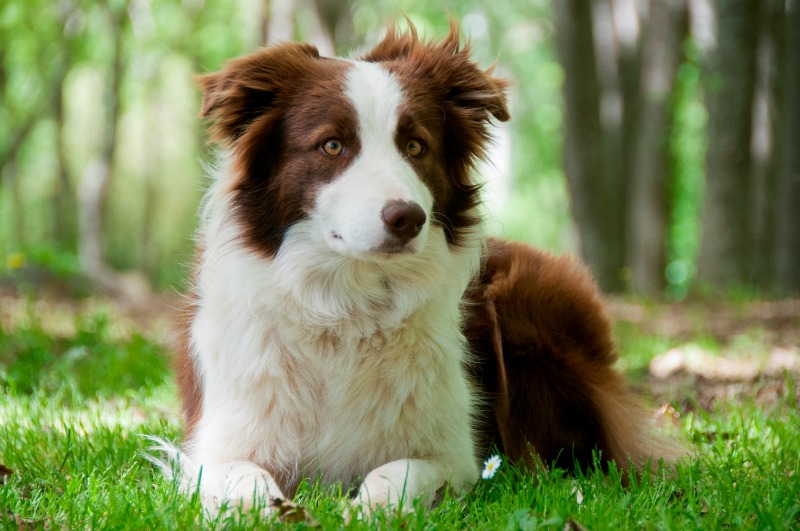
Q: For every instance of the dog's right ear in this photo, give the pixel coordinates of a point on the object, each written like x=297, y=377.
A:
x=250, y=87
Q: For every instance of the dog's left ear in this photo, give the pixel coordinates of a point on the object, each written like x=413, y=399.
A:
x=448, y=66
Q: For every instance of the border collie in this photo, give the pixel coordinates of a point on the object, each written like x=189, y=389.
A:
x=350, y=321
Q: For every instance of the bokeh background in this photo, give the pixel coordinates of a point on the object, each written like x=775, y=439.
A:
x=659, y=140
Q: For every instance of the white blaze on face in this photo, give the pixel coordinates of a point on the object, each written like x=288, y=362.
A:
x=349, y=209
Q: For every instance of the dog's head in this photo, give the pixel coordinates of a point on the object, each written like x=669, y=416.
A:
x=375, y=153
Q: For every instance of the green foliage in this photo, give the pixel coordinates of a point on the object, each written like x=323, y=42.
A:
x=88, y=364
x=687, y=147
x=62, y=264
x=157, y=179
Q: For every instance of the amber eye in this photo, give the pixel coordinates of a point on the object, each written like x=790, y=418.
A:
x=333, y=147
x=413, y=147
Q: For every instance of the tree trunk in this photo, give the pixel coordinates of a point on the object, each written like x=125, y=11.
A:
x=611, y=79
x=17, y=205
x=765, y=143
x=18, y=136
x=627, y=22
x=280, y=27
x=94, y=186
x=646, y=219
x=787, y=248
x=148, y=248
x=597, y=195
x=729, y=90
x=337, y=18
x=64, y=206
x=9, y=171
x=316, y=31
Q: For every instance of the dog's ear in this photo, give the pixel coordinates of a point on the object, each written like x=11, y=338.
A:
x=485, y=91
x=249, y=87
x=447, y=64
x=470, y=87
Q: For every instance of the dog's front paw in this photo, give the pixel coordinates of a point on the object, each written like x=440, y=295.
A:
x=240, y=484
x=403, y=485
x=369, y=500
x=378, y=491
x=390, y=487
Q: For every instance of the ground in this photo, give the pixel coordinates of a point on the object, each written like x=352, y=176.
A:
x=708, y=352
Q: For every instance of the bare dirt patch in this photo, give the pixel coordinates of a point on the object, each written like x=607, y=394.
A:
x=724, y=351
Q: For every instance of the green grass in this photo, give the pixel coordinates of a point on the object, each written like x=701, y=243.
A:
x=73, y=410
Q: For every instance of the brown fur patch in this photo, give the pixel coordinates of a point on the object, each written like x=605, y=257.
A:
x=275, y=109
x=545, y=359
x=190, y=387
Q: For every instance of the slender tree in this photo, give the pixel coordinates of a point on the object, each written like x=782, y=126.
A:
x=787, y=198
x=597, y=194
x=647, y=206
x=620, y=67
x=730, y=74
x=96, y=180
x=63, y=194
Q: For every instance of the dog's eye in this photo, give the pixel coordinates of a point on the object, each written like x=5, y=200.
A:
x=333, y=147
x=413, y=147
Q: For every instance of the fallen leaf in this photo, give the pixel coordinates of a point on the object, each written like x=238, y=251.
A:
x=572, y=525
x=5, y=473
x=291, y=513
x=23, y=524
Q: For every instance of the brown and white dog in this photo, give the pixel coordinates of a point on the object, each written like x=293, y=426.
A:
x=350, y=320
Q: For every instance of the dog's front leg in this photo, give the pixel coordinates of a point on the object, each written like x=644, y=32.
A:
x=398, y=483
x=237, y=483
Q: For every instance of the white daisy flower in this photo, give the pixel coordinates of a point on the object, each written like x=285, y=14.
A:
x=490, y=467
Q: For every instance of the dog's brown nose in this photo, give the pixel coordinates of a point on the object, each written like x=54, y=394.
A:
x=403, y=219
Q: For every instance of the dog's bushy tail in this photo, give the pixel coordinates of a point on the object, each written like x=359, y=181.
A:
x=545, y=358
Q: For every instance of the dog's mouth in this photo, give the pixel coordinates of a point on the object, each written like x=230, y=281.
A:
x=393, y=246
x=389, y=248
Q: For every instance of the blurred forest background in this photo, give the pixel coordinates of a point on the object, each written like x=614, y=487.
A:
x=659, y=139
